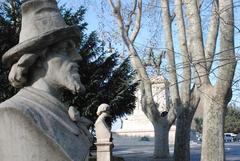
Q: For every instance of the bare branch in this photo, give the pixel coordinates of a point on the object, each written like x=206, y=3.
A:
x=117, y=14
x=154, y=61
x=172, y=17
x=159, y=62
x=148, y=105
x=184, y=50
x=226, y=26
x=112, y=5
x=159, y=59
x=212, y=35
x=137, y=22
x=174, y=91
x=132, y=12
x=148, y=58
x=196, y=41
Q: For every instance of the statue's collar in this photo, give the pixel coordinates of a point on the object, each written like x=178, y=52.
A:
x=49, y=104
x=45, y=96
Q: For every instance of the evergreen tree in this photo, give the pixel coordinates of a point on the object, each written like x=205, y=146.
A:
x=105, y=78
x=10, y=24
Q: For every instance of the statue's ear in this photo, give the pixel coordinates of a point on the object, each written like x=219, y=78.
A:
x=15, y=77
x=18, y=72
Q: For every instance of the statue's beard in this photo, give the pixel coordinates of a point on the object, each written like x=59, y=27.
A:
x=72, y=80
x=74, y=84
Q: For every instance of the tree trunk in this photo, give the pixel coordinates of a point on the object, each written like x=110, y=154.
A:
x=161, y=146
x=182, y=137
x=217, y=98
x=213, y=123
x=149, y=107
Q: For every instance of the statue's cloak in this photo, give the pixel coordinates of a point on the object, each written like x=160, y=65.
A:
x=50, y=116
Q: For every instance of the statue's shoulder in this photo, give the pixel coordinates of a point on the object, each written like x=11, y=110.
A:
x=16, y=105
x=22, y=139
x=19, y=106
x=34, y=123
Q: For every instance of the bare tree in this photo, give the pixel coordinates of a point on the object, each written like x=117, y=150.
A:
x=199, y=57
x=214, y=97
x=220, y=94
x=195, y=88
x=189, y=100
x=160, y=123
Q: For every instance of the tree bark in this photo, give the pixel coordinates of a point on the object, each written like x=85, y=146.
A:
x=216, y=98
x=196, y=42
x=161, y=131
x=184, y=117
x=173, y=87
x=213, y=123
x=182, y=137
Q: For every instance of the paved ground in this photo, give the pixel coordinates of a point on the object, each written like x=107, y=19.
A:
x=132, y=149
x=135, y=153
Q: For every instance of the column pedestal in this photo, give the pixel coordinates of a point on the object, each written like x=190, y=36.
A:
x=104, y=151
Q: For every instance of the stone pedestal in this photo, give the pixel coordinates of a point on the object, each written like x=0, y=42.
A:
x=103, y=134
x=104, y=151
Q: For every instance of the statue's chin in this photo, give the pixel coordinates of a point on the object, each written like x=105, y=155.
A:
x=80, y=89
x=74, y=84
x=74, y=88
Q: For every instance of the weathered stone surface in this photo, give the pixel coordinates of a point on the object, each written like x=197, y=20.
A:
x=41, y=27
x=35, y=125
x=37, y=114
x=103, y=131
x=103, y=134
x=22, y=140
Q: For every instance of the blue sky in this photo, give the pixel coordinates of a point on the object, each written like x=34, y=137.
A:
x=93, y=18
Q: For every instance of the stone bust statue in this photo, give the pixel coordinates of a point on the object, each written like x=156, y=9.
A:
x=35, y=125
x=102, y=124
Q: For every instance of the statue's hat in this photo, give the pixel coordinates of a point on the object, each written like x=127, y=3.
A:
x=42, y=25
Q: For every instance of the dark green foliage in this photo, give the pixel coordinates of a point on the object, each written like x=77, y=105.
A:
x=106, y=81
x=10, y=24
x=105, y=78
x=232, y=120
x=75, y=18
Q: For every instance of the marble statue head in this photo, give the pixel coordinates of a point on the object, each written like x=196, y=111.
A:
x=46, y=48
x=44, y=62
x=103, y=108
